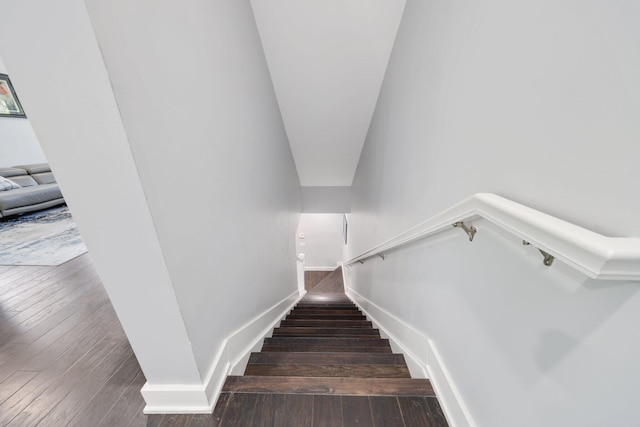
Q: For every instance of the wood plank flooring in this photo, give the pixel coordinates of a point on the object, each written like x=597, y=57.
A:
x=324, y=282
x=65, y=361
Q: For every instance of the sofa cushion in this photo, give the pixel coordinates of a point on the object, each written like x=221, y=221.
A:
x=29, y=196
x=24, y=180
x=35, y=168
x=9, y=172
x=44, y=178
x=7, y=184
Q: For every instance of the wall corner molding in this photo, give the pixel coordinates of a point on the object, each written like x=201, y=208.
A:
x=231, y=359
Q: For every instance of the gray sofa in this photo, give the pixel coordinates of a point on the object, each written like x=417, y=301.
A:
x=38, y=189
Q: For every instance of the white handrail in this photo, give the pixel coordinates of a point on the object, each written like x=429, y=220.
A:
x=597, y=256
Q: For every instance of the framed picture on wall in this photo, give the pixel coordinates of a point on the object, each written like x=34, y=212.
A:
x=9, y=103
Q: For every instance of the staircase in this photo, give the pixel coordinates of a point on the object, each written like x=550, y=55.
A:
x=326, y=366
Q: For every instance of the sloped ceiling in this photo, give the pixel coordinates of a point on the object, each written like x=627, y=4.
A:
x=327, y=59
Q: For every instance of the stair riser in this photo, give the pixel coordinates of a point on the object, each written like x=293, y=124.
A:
x=325, y=349
x=326, y=323
x=325, y=332
x=362, y=342
x=321, y=305
x=325, y=335
x=327, y=358
x=326, y=311
x=298, y=316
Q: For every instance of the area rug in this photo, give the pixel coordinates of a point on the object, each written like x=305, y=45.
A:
x=47, y=237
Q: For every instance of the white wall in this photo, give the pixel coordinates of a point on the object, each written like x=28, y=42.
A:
x=212, y=155
x=175, y=164
x=87, y=146
x=538, y=102
x=323, y=240
x=18, y=142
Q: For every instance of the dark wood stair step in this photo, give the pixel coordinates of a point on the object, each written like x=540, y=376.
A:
x=314, y=316
x=327, y=345
x=329, y=386
x=317, y=304
x=343, y=358
x=355, y=371
x=297, y=348
x=325, y=332
x=329, y=311
x=325, y=307
x=326, y=323
x=327, y=341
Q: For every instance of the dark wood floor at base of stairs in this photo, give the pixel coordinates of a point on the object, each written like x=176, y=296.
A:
x=294, y=410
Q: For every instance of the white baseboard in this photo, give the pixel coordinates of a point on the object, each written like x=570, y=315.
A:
x=231, y=358
x=421, y=356
x=453, y=406
x=176, y=399
x=402, y=337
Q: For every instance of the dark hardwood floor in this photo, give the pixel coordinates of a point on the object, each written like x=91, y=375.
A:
x=65, y=361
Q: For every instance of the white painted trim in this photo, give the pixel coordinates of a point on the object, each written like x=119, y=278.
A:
x=232, y=357
x=449, y=397
x=406, y=339
x=300, y=275
x=344, y=275
x=597, y=256
x=421, y=356
x=330, y=268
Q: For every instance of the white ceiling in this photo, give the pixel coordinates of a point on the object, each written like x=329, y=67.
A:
x=327, y=60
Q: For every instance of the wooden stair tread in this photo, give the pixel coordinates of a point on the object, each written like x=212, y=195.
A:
x=326, y=323
x=303, y=331
x=344, y=358
x=322, y=305
x=318, y=301
x=324, y=349
x=294, y=316
x=306, y=370
x=329, y=341
x=329, y=386
x=330, y=311
x=325, y=307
